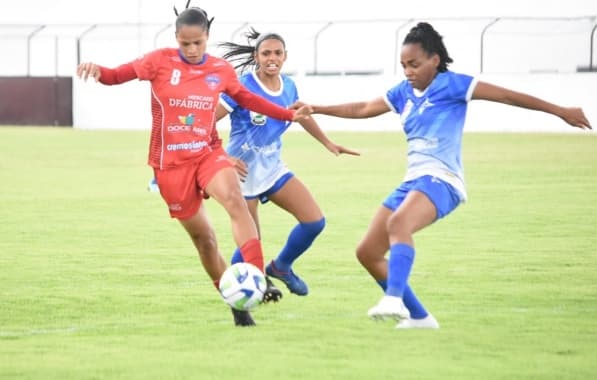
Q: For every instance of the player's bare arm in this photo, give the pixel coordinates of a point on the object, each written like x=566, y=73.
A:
x=356, y=110
x=571, y=115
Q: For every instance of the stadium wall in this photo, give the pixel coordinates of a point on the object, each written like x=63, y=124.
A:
x=127, y=106
x=36, y=101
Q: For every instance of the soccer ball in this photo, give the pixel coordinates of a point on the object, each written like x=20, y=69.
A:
x=242, y=286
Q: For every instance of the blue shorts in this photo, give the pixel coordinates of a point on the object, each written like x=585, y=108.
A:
x=264, y=197
x=440, y=193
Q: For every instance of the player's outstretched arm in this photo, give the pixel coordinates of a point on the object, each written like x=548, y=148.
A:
x=571, y=115
x=356, y=110
x=104, y=75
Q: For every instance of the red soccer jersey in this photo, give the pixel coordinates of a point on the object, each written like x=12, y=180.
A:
x=184, y=100
x=183, y=103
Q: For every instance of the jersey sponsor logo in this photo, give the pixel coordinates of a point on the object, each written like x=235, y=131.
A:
x=179, y=128
x=257, y=118
x=187, y=120
x=175, y=206
x=222, y=157
x=213, y=81
x=193, y=146
x=196, y=104
x=264, y=149
x=196, y=72
x=187, y=128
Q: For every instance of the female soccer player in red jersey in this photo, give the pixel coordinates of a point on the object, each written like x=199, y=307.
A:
x=185, y=86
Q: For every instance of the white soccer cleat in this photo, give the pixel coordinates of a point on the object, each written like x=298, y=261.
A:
x=389, y=307
x=429, y=322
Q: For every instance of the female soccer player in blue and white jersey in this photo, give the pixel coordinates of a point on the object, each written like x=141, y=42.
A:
x=432, y=104
x=255, y=141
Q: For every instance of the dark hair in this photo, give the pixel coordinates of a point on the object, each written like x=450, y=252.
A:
x=245, y=54
x=192, y=16
x=431, y=41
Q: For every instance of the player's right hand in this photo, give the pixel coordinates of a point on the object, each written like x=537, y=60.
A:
x=89, y=69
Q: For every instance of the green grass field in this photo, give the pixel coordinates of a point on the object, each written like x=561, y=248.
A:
x=97, y=282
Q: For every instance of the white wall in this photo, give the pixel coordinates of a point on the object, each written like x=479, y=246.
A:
x=127, y=106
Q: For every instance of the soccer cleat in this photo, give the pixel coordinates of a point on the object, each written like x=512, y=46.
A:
x=292, y=281
x=152, y=186
x=429, y=322
x=271, y=294
x=242, y=318
x=389, y=307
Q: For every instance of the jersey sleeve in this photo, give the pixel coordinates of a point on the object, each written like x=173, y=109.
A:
x=394, y=97
x=289, y=83
x=462, y=86
x=118, y=75
x=228, y=103
x=147, y=65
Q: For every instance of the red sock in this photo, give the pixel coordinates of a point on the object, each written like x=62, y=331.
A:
x=252, y=253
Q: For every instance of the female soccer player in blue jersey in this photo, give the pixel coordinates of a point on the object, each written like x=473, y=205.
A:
x=432, y=104
x=255, y=141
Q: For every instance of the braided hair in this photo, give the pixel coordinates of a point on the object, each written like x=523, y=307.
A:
x=431, y=42
x=244, y=55
x=192, y=16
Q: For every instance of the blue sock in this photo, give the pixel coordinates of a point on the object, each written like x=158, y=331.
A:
x=383, y=284
x=417, y=311
x=301, y=237
x=236, y=257
x=399, y=266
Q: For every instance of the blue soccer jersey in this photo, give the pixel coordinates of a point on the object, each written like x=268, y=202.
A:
x=255, y=138
x=433, y=121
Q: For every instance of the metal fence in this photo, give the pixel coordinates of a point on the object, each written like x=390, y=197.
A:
x=477, y=45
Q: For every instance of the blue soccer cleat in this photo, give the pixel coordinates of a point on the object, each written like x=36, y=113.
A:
x=292, y=281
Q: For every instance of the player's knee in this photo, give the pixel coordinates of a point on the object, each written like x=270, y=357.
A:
x=361, y=254
x=398, y=225
x=314, y=228
x=232, y=200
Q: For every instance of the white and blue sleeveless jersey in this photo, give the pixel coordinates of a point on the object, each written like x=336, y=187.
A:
x=255, y=138
x=433, y=121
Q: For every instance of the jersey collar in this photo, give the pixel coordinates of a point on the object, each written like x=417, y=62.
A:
x=203, y=59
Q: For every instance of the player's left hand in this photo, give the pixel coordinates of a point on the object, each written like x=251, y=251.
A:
x=575, y=117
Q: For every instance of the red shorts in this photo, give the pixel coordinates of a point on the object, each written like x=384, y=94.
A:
x=181, y=187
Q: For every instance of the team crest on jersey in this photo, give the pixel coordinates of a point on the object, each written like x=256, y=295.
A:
x=257, y=118
x=213, y=81
x=187, y=120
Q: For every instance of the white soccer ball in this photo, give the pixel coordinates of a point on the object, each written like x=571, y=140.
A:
x=242, y=286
